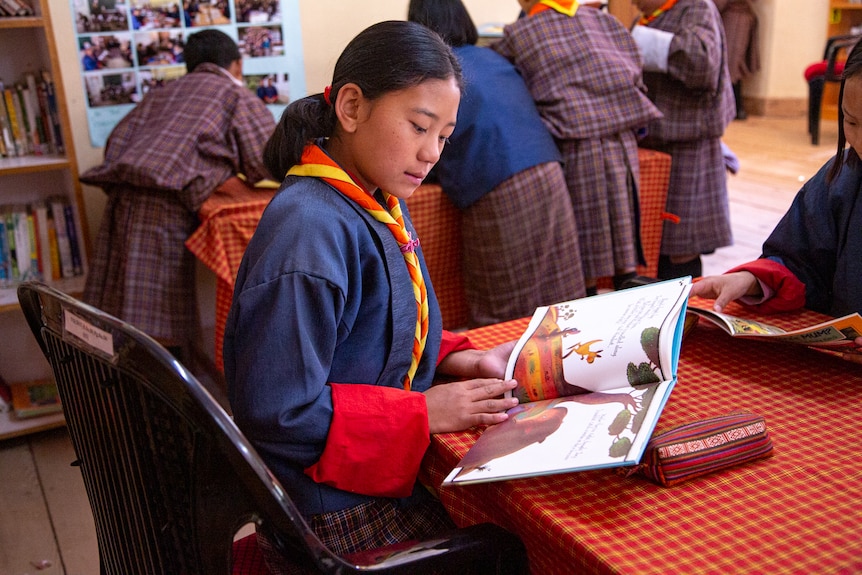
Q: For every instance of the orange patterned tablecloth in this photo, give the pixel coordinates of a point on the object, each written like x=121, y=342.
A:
x=228, y=220
x=797, y=512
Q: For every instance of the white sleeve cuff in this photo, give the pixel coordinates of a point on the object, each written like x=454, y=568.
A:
x=655, y=47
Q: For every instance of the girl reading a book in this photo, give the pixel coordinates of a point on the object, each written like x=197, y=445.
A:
x=813, y=258
x=334, y=335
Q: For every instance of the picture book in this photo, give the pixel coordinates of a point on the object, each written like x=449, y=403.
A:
x=834, y=335
x=593, y=377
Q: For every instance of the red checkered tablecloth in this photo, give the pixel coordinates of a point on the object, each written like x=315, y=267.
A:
x=797, y=512
x=228, y=220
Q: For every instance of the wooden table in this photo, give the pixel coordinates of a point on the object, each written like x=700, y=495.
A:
x=797, y=512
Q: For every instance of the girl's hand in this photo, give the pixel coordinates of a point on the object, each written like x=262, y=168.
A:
x=460, y=405
x=726, y=288
x=478, y=363
x=493, y=362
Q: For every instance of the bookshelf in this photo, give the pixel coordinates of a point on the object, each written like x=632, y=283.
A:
x=27, y=46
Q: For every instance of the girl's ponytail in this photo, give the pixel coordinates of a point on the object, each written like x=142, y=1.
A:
x=303, y=122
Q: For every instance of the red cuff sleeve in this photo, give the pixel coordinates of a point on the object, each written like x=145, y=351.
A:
x=453, y=342
x=376, y=440
x=789, y=290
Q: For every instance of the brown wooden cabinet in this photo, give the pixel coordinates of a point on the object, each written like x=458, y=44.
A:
x=844, y=18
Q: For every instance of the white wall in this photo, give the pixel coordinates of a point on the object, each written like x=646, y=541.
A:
x=327, y=26
x=792, y=35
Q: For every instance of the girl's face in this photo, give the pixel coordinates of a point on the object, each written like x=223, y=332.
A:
x=392, y=142
x=851, y=104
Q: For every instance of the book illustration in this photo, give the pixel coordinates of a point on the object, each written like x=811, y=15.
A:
x=539, y=368
x=593, y=377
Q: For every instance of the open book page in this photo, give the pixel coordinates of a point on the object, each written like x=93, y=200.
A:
x=836, y=332
x=609, y=341
x=604, y=407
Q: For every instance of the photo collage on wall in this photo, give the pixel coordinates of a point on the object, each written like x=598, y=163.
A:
x=128, y=47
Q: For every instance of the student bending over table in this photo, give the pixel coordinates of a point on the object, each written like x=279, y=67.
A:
x=503, y=171
x=583, y=70
x=334, y=335
x=162, y=161
x=813, y=258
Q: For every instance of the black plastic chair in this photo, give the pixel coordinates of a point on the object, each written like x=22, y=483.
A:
x=170, y=478
x=828, y=70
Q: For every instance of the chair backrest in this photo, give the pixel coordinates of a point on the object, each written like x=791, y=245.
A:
x=169, y=477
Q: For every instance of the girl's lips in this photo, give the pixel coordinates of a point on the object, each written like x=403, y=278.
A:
x=415, y=178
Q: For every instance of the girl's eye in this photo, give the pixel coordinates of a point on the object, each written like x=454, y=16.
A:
x=419, y=129
x=444, y=140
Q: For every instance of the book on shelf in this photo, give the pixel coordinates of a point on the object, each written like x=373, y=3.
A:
x=834, y=335
x=593, y=377
x=53, y=112
x=74, y=241
x=23, y=117
x=18, y=146
x=7, y=146
x=5, y=396
x=64, y=245
x=30, y=98
x=15, y=8
x=43, y=239
x=39, y=241
x=11, y=251
x=5, y=254
x=19, y=254
x=32, y=399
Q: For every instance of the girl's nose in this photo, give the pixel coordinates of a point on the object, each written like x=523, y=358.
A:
x=430, y=151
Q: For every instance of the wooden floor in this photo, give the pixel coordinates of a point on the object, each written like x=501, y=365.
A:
x=45, y=521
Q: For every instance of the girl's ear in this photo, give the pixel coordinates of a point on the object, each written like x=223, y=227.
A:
x=348, y=106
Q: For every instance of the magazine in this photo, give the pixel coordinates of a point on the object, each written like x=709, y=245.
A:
x=593, y=377
x=834, y=335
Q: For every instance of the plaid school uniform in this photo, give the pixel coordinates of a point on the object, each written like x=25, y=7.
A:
x=584, y=72
x=696, y=98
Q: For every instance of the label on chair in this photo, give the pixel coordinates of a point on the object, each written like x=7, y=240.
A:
x=88, y=333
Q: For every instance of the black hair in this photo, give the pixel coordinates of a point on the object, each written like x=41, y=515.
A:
x=213, y=46
x=385, y=57
x=449, y=18
x=852, y=68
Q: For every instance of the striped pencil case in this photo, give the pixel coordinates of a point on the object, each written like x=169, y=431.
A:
x=704, y=446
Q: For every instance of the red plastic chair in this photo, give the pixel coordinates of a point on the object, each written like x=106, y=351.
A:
x=829, y=69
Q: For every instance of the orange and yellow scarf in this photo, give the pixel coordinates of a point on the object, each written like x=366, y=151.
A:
x=317, y=164
x=567, y=7
x=647, y=18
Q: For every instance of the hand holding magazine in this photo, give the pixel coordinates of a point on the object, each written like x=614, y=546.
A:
x=593, y=376
x=836, y=336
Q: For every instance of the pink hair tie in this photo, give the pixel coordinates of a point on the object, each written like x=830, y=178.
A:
x=326, y=92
